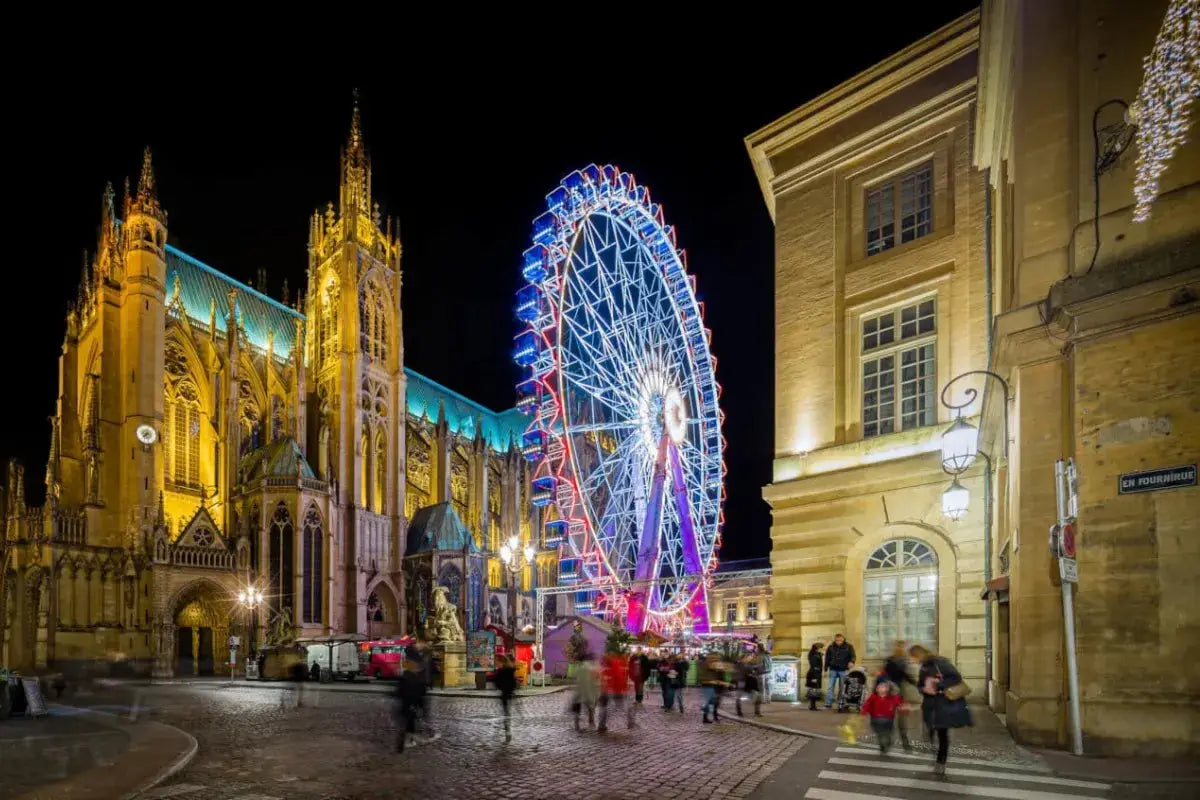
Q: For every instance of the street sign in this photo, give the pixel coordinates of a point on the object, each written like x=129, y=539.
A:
x=234, y=641
x=1067, y=539
x=1068, y=570
x=1156, y=480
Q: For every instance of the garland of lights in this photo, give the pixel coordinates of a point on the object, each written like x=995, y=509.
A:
x=1162, y=110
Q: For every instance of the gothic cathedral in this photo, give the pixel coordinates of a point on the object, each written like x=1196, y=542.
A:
x=208, y=438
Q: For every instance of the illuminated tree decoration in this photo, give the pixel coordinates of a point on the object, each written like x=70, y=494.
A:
x=1162, y=110
x=625, y=428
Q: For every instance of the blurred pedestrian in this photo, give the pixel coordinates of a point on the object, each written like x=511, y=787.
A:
x=751, y=670
x=812, y=679
x=712, y=680
x=410, y=695
x=616, y=685
x=902, y=670
x=680, y=667
x=587, y=689
x=666, y=681
x=427, y=670
x=944, y=701
x=637, y=675
x=506, y=682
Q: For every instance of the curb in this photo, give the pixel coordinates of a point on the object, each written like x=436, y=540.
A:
x=368, y=688
x=770, y=726
x=140, y=734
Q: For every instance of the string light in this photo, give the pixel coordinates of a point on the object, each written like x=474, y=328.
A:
x=1162, y=110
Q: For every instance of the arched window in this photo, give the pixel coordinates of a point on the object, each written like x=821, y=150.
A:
x=277, y=417
x=313, y=566
x=323, y=453
x=181, y=436
x=900, y=594
x=380, y=472
x=474, y=598
x=281, y=569
x=364, y=489
x=372, y=320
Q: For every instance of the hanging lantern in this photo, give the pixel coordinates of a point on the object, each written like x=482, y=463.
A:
x=955, y=500
x=960, y=443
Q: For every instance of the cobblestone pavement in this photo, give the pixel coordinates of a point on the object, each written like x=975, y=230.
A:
x=254, y=744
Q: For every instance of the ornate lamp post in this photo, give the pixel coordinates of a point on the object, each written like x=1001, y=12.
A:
x=250, y=599
x=960, y=444
x=515, y=558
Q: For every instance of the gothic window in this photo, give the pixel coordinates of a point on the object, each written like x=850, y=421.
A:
x=380, y=472
x=364, y=489
x=282, y=564
x=474, y=598
x=181, y=436
x=328, y=321
x=450, y=576
x=900, y=592
x=418, y=466
x=373, y=323
x=313, y=567
x=323, y=452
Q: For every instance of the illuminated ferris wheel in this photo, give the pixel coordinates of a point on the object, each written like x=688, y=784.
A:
x=625, y=429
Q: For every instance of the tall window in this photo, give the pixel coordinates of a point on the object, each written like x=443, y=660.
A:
x=380, y=472
x=181, y=436
x=372, y=320
x=909, y=197
x=900, y=596
x=282, y=567
x=730, y=612
x=904, y=362
x=752, y=611
x=313, y=567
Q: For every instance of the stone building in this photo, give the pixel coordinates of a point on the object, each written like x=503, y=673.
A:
x=208, y=437
x=1086, y=319
x=879, y=287
x=741, y=604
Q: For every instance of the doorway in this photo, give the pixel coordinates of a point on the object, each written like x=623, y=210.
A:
x=184, y=654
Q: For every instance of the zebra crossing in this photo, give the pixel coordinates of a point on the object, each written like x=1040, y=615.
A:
x=859, y=773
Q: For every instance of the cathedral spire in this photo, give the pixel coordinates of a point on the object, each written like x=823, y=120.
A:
x=355, y=142
x=146, y=201
x=146, y=190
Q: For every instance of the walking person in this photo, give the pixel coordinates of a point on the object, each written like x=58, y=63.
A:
x=881, y=707
x=506, y=682
x=427, y=670
x=839, y=659
x=902, y=671
x=680, y=668
x=751, y=668
x=713, y=681
x=616, y=685
x=410, y=693
x=638, y=674
x=587, y=689
x=812, y=679
x=944, y=700
x=666, y=682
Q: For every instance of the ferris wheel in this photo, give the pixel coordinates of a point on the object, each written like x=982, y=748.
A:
x=625, y=428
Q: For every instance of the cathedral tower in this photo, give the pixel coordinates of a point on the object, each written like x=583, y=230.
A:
x=355, y=377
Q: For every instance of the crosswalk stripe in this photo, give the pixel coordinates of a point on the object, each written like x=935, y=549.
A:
x=966, y=790
x=833, y=794
x=983, y=762
x=972, y=773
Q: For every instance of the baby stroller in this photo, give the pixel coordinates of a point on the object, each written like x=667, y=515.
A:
x=854, y=691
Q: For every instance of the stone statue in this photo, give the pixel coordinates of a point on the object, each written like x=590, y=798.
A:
x=282, y=631
x=442, y=625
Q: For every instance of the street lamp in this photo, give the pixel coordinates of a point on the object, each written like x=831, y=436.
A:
x=250, y=599
x=955, y=500
x=960, y=444
x=511, y=554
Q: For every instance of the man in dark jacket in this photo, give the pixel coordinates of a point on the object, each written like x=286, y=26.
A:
x=839, y=659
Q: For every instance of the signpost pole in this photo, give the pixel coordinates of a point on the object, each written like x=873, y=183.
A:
x=1068, y=601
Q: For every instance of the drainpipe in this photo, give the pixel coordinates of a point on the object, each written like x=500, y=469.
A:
x=987, y=475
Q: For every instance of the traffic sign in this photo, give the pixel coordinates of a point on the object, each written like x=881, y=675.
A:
x=1067, y=539
x=1068, y=570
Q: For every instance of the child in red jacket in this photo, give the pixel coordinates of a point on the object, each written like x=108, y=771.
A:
x=881, y=707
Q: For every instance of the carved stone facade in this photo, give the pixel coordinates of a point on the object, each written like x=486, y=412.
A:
x=208, y=438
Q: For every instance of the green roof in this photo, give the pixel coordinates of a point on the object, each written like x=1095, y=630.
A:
x=280, y=459
x=202, y=286
x=438, y=527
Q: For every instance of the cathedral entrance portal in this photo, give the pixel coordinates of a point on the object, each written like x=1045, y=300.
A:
x=202, y=617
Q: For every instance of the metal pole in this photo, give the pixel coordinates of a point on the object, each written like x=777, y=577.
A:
x=1068, y=601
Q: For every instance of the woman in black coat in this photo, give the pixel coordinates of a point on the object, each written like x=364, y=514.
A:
x=812, y=681
x=940, y=712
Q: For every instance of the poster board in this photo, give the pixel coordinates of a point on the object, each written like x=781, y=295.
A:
x=35, y=704
x=481, y=651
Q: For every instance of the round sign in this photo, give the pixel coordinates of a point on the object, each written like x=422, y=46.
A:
x=1068, y=540
x=147, y=435
x=537, y=666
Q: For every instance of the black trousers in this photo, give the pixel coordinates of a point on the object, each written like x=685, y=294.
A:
x=943, y=737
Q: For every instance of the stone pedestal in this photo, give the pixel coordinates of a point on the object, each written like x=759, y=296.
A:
x=453, y=658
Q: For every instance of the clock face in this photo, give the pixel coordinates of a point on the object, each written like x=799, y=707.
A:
x=146, y=434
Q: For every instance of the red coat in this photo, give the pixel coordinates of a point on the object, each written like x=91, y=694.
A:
x=882, y=707
x=616, y=674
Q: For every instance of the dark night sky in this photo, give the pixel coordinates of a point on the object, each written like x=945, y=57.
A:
x=243, y=161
